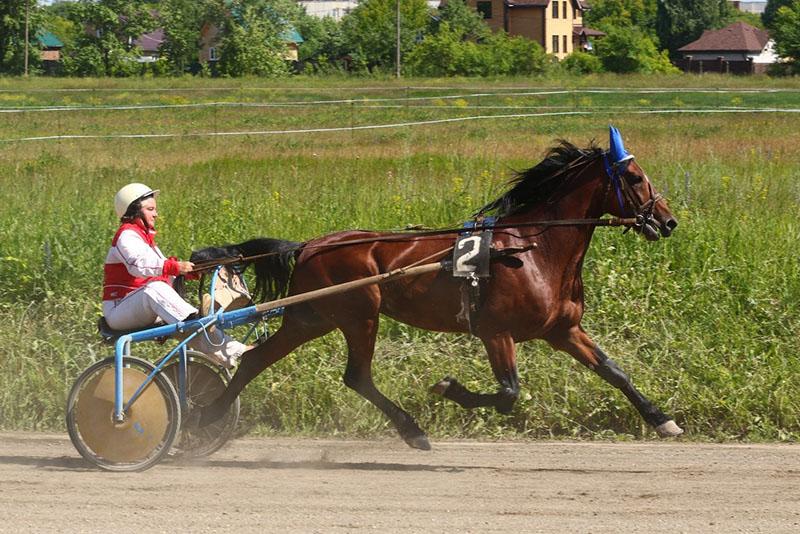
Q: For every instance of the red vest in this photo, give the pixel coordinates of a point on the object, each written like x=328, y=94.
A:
x=118, y=282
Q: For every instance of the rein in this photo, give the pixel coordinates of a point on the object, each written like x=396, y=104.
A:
x=614, y=221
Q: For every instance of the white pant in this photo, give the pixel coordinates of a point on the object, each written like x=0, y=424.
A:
x=158, y=300
x=141, y=308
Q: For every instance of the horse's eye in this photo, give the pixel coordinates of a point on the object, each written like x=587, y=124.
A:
x=634, y=179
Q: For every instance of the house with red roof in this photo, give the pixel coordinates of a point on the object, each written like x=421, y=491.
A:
x=737, y=49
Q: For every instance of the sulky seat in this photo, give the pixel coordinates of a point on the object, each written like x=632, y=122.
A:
x=110, y=335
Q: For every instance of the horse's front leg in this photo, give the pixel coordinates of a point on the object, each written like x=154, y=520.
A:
x=503, y=359
x=356, y=315
x=360, y=337
x=578, y=344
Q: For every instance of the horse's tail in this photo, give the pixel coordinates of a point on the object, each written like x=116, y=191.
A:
x=272, y=259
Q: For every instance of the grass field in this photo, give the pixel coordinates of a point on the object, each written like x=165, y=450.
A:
x=706, y=322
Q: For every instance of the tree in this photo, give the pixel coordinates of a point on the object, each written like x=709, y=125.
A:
x=753, y=19
x=679, y=22
x=369, y=31
x=182, y=21
x=444, y=53
x=12, y=34
x=628, y=50
x=606, y=14
x=252, y=42
x=466, y=22
x=771, y=10
x=55, y=19
x=104, y=47
x=786, y=32
x=323, y=43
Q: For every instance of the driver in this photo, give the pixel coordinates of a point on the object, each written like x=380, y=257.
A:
x=137, y=284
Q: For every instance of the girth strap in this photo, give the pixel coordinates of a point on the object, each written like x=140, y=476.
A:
x=471, y=258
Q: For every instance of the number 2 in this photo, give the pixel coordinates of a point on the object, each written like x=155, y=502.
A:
x=461, y=262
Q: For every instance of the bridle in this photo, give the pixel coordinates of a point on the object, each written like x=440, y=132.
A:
x=642, y=211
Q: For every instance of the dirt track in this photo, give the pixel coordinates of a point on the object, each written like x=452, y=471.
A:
x=305, y=485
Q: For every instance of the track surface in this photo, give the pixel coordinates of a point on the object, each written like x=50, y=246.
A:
x=306, y=485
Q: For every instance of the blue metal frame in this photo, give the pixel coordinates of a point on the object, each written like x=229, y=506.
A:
x=221, y=319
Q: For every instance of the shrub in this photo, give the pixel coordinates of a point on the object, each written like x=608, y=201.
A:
x=582, y=63
x=628, y=50
x=446, y=54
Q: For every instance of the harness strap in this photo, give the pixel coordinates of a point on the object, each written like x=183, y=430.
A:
x=616, y=180
x=480, y=223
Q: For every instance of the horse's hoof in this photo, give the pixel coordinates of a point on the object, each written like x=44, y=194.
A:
x=440, y=387
x=419, y=442
x=505, y=409
x=668, y=430
x=206, y=417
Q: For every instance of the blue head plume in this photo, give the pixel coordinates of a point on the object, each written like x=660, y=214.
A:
x=616, y=150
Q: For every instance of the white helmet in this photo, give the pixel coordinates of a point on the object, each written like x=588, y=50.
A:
x=130, y=194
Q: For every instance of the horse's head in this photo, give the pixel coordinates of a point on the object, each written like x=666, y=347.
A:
x=631, y=194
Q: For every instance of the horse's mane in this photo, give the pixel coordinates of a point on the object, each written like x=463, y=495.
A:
x=541, y=181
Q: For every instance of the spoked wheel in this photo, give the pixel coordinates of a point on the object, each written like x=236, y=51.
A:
x=205, y=381
x=150, y=426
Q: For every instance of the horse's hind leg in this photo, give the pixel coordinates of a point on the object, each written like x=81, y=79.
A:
x=578, y=344
x=292, y=333
x=502, y=357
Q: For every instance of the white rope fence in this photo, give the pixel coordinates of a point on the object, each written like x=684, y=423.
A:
x=402, y=88
x=362, y=105
x=397, y=125
x=364, y=102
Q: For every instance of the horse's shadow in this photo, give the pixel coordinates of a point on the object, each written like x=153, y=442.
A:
x=326, y=465
x=76, y=464
x=67, y=463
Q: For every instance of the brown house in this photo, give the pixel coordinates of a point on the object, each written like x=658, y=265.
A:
x=557, y=25
x=739, y=49
x=51, y=51
x=50, y=44
x=150, y=45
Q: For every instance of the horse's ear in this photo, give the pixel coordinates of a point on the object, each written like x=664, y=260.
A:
x=616, y=147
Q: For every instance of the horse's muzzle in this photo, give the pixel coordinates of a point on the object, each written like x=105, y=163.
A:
x=668, y=226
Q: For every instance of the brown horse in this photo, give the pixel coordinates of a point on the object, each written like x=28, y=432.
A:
x=537, y=294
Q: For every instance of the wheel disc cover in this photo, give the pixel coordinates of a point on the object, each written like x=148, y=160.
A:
x=145, y=425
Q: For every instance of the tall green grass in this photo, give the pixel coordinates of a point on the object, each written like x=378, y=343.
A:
x=705, y=322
